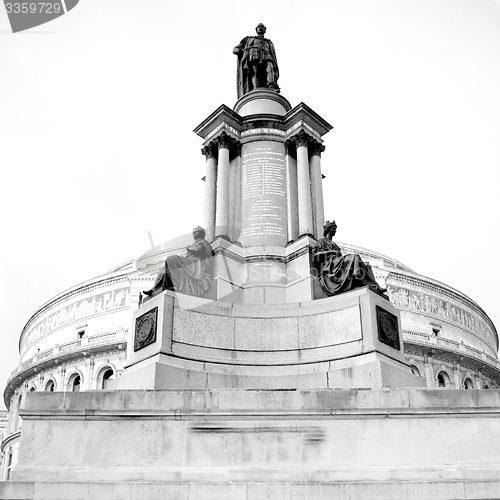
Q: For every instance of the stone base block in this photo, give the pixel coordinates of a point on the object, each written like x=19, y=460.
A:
x=126, y=445
x=365, y=371
x=347, y=490
x=371, y=370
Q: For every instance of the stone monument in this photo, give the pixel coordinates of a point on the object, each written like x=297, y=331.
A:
x=263, y=363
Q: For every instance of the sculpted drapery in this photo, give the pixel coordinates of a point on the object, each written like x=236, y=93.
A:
x=339, y=273
x=191, y=274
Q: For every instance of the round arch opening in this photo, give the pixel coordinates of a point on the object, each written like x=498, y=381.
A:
x=443, y=379
x=50, y=386
x=75, y=382
x=468, y=384
x=106, y=374
x=415, y=370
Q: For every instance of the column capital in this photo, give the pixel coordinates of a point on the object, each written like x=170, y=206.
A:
x=224, y=141
x=316, y=148
x=209, y=151
x=301, y=139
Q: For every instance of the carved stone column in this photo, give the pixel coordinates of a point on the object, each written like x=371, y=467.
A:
x=235, y=193
x=291, y=192
x=222, y=207
x=429, y=372
x=456, y=376
x=62, y=378
x=210, y=189
x=317, y=189
x=304, y=184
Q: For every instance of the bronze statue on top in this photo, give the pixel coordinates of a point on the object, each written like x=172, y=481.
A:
x=257, y=63
x=339, y=273
x=191, y=274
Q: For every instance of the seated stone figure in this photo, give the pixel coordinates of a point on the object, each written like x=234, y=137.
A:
x=339, y=273
x=191, y=274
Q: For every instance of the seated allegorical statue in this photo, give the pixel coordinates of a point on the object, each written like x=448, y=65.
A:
x=339, y=273
x=191, y=274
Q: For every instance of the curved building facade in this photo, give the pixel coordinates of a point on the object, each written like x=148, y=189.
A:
x=77, y=341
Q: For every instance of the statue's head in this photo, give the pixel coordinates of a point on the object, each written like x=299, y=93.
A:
x=260, y=29
x=330, y=226
x=198, y=233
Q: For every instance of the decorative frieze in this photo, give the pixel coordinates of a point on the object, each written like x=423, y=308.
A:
x=438, y=288
x=97, y=304
x=417, y=301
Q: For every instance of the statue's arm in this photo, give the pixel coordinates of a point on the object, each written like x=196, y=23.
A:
x=273, y=55
x=197, y=249
x=239, y=48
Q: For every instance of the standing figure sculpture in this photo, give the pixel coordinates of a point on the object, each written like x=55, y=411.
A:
x=191, y=274
x=257, y=63
x=339, y=273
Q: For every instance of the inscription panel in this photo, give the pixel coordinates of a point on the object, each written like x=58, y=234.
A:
x=263, y=194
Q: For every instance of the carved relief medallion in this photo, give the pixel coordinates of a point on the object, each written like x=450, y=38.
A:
x=145, y=329
x=388, y=331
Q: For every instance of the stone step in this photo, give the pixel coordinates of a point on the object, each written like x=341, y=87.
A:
x=353, y=490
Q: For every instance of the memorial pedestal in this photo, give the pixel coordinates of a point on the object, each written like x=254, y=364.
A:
x=182, y=342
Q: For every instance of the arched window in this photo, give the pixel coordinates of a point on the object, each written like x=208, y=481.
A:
x=486, y=386
x=75, y=382
x=106, y=377
x=415, y=370
x=32, y=388
x=443, y=379
x=468, y=384
x=105, y=374
x=50, y=386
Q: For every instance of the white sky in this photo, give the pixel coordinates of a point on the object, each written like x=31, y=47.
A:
x=97, y=110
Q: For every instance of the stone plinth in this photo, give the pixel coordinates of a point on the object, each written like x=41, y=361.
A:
x=346, y=444
x=335, y=342
x=260, y=101
x=263, y=274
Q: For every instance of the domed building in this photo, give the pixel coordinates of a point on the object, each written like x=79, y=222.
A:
x=77, y=341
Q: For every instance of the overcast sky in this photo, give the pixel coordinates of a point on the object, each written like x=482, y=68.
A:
x=97, y=110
